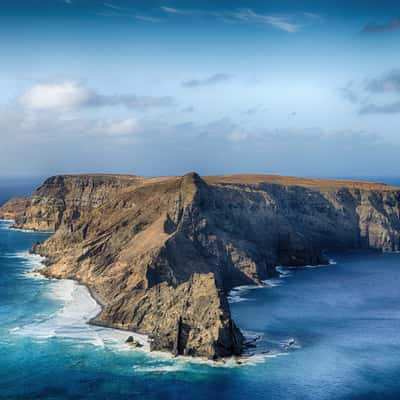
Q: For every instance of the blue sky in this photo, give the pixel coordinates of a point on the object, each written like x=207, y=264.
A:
x=165, y=87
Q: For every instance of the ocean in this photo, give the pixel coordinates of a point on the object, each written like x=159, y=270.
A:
x=330, y=332
x=12, y=187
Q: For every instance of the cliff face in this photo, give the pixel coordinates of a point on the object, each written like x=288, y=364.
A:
x=64, y=198
x=161, y=253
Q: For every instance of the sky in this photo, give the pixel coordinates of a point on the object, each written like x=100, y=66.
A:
x=293, y=87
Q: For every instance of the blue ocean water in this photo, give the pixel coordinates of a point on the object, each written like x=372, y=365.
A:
x=12, y=187
x=327, y=333
x=331, y=333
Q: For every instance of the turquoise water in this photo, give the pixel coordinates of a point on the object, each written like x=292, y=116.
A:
x=330, y=333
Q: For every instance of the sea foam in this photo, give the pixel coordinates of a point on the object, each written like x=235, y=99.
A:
x=236, y=295
x=77, y=308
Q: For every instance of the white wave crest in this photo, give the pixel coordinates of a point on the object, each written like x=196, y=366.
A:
x=72, y=320
x=284, y=272
x=273, y=282
x=159, y=368
x=236, y=295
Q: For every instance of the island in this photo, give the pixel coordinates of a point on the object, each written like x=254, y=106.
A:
x=161, y=254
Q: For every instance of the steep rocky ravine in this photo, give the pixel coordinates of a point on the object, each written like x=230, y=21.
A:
x=160, y=254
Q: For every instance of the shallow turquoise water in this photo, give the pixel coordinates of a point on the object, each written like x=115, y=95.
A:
x=342, y=323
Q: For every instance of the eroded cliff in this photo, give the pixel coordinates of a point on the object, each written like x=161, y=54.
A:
x=161, y=253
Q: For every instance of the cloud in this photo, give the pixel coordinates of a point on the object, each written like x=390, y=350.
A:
x=211, y=80
x=113, y=6
x=254, y=110
x=375, y=95
x=282, y=22
x=349, y=92
x=312, y=15
x=45, y=142
x=24, y=126
x=67, y=94
x=391, y=108
x=73, y=94
x=251, y=111
x=289, y=22
x=389, y=82
x=130, y=101
x=189, y=109
x=146, y=18
x=123, y=127
x=176, y=11
x=117, y=11
x=389, y=26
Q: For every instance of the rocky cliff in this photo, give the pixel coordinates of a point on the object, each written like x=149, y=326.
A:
x=160, y=254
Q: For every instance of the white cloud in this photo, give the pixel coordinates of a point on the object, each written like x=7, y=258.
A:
x=282, y=22
x=171, y=10
x=63, y=95
x=112, y=6
x=210, y=80
x=124, y=127
x=146, y=18
x=288, y=22
x=46, y=141
x=74, y=94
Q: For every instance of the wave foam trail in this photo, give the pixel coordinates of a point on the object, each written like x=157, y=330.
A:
x=273, y=282
x=159, y=368
x=5, y=223
x=71, y=321
x=29, y=262
x=236, y=294
x=78, y=307
x=284, y=272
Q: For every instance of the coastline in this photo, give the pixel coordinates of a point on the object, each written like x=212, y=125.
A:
x=90, y=320
x=235, y=294
x=37, y=267
x=250, y=357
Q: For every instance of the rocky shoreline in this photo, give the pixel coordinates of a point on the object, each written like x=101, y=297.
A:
x=161, y=254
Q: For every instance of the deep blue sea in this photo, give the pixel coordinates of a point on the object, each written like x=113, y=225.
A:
x=331, y=332
x=11, y=187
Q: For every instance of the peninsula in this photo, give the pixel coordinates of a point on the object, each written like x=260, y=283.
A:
x=161, y=254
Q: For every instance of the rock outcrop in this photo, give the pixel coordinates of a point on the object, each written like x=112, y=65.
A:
x=160, y=254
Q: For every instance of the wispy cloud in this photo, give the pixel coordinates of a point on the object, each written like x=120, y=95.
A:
x=312, y=15
x=189, y=109
x=288, y=22
x=73, y=94
x=389, y=82
x=46, y=141
x=113, y=6
x=177, y=11
x=284, y=23
x=211, y=80
x=112, y=10
x=349, y=92
x=390, y=108
x=389, y=26
x=375, y=95
x=254, y=110
x=114, y=127
x=146, y=18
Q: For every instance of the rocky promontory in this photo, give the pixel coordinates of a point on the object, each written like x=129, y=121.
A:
x=160, y=254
